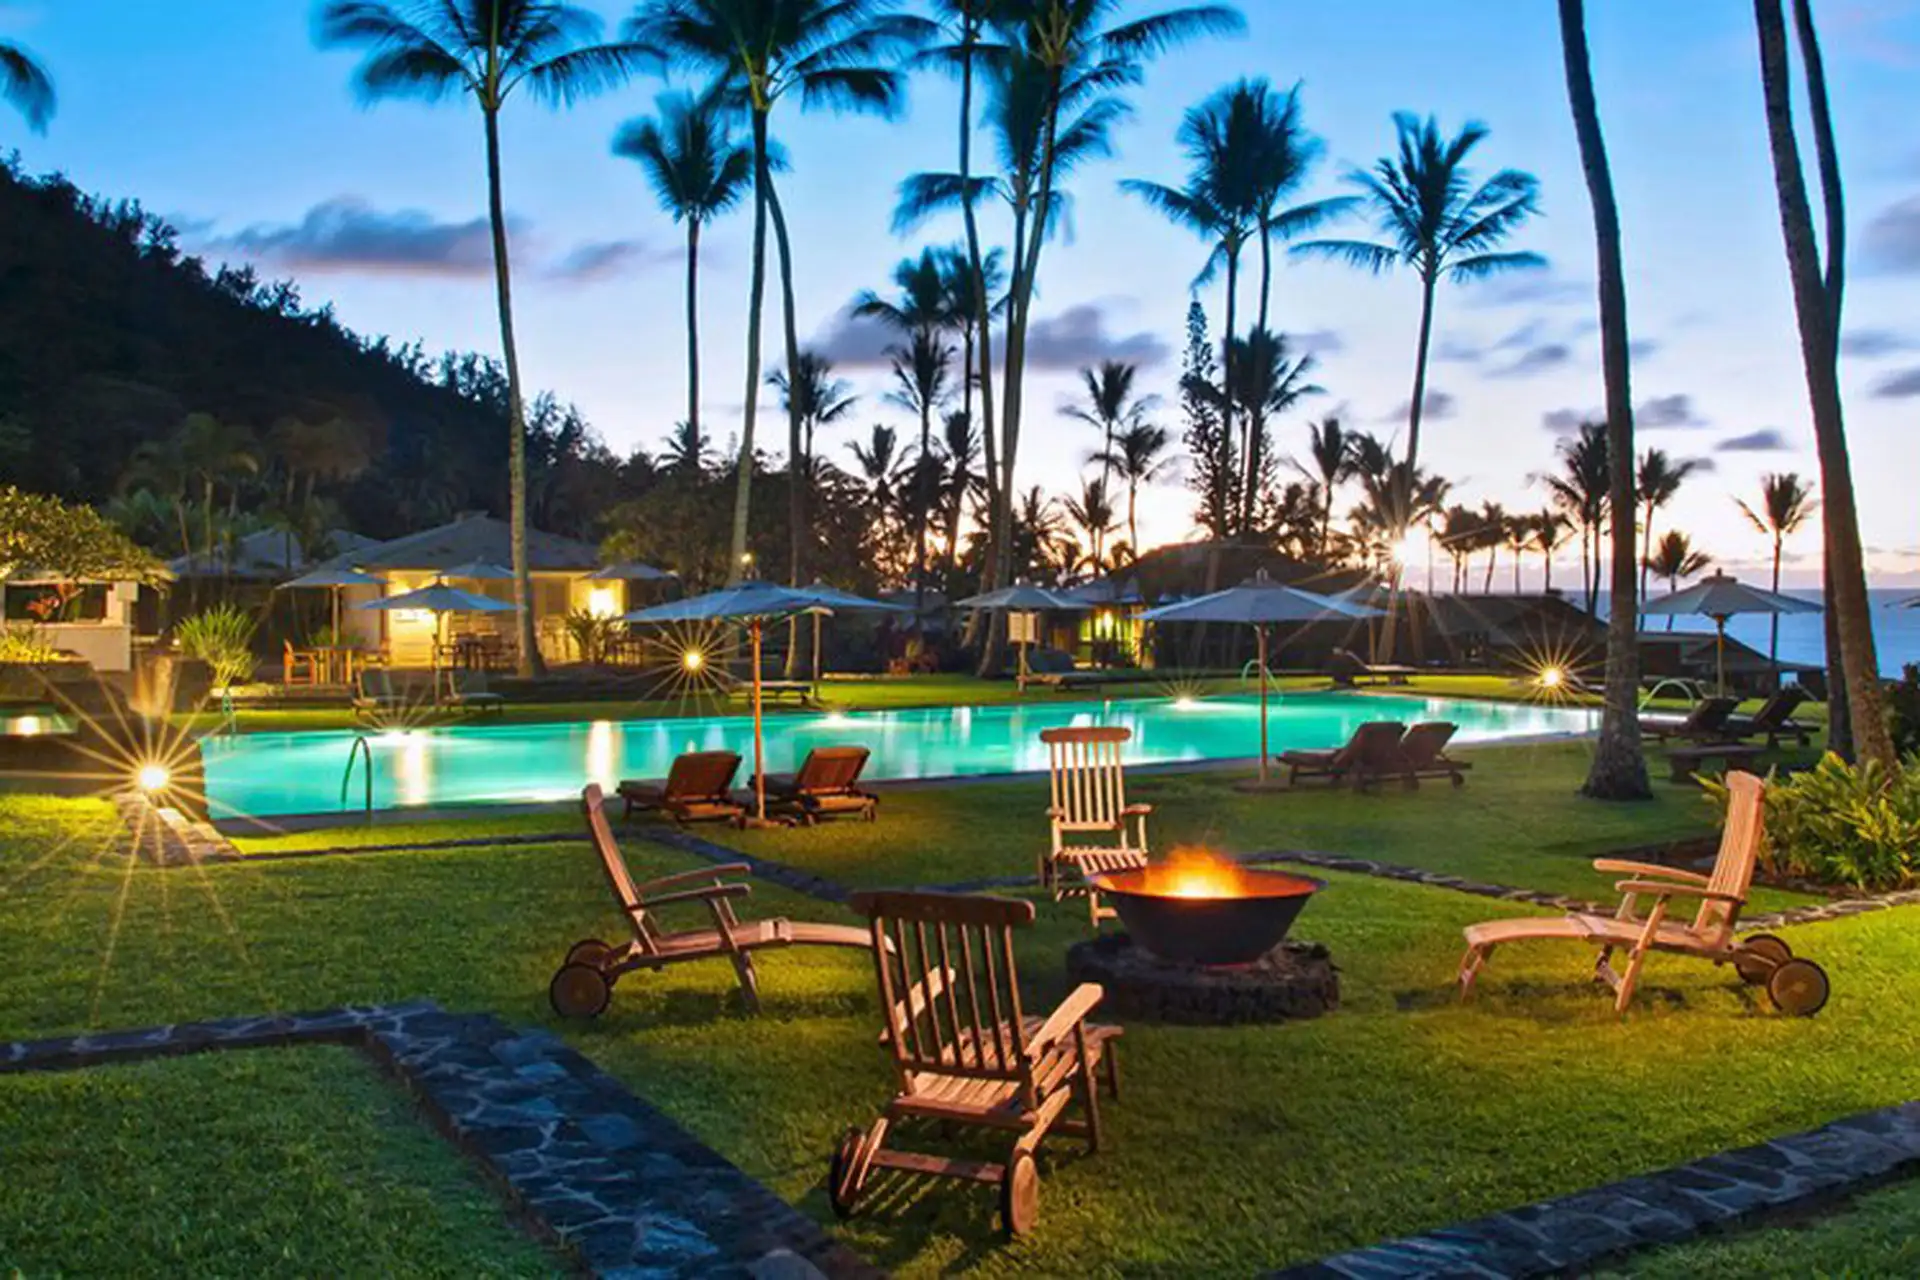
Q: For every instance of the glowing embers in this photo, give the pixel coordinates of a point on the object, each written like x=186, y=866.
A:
x=1198, y=908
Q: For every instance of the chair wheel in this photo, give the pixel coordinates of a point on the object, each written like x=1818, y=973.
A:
x=1799, y=988
x=579, y=991
x=1758, y=956
x=843, y=1181
x=1020, y=1194
x=589, y=951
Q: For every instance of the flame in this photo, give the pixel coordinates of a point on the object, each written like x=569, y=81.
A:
x=1197, y=873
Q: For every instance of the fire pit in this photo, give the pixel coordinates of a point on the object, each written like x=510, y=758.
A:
x=1206, y=910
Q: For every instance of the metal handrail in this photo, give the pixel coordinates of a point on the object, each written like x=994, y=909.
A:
x=362, y=745
x=1688, y=689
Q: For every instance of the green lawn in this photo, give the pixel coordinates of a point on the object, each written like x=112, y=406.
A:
x=249, y=1163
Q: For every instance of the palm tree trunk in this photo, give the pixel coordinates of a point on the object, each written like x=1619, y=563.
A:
x=1133, y=517
x=1227, y=391
x=743, y=487
x=1646, y=542
x=1266, y=271
x=693, y=334
x=983, y=326
x=1417, y=409
x=529, y=661
x=1773, y=620
x=922, y=515
x=1819, y=353
x=1619, y=768
x=1000, y=500
x=796, y=455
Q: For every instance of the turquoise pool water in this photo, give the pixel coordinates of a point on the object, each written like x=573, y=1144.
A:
x=277, y=774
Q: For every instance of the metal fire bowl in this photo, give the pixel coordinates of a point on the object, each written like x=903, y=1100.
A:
x=1210, y=931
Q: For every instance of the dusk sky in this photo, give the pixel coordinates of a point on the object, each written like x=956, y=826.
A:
x=224, y=117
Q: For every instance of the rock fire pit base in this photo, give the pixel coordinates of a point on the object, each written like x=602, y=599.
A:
x=1294, y=980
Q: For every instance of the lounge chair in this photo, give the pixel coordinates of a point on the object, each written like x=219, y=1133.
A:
x=1795, y=986
x=827, y=785
x=298, y=666
x=584, y=982
x=467, y=691
x=1088, y=790
x=1705, y=722
x=374, y=695
x=1425, y=752
x=699, y=788
x=1349, y=671
x=1774, y=719
x=1371, y=754
x=800, y=691
x=964, y=1052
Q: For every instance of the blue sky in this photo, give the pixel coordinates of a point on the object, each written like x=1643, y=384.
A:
x=222, y=115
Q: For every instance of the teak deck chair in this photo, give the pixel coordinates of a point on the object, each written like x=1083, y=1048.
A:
x=1774, y=719
x=1424, y=750
x=373, y=694
x=827, y=785
x=584, y=982
x=1796, y=986
x=1089, y=798
x=699, y=787
x=1706, y=720
x=467, y=691
x=966, y=1053
x=1372, y=753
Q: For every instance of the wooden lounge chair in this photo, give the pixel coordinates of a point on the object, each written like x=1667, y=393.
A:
x=1372, y=753
x=584, y=982
x=374, y=695
x=966, y=1053
x=1705, y=722
x=699, y=788
x=1795, y=985
x=799, y=691
x=827, y=785
x=1055, y=669
x=467, y=691
x=1089, y=798
x=1774, y=719
x=1349, y=671
x=298, y=666
x=1425, y=752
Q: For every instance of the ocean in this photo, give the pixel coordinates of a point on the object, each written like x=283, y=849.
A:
x=1896, y=631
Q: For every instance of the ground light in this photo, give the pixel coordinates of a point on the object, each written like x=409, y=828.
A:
x=692, y=661
x=1552, y=678
x=153, y=778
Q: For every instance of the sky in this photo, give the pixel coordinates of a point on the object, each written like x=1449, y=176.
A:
x=224, y=117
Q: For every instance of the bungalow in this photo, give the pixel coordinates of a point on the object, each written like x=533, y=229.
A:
x=90, y=619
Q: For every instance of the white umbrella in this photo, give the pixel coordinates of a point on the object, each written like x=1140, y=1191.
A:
x=479, y=571
x=1721, y=597
x=756, y=604
x=334, y=580
x=1022, y=597
x=1259, y=602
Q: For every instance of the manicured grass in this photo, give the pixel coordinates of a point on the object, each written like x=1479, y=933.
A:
x=1877, y=1235
x=246, y=1163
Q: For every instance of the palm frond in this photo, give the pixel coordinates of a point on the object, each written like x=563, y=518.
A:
x=1483, y=265
x=567, y=78
x=927, y=195
x=1157, y=33
x=428, y=73
x=26, y=84
x=1377, y=258
x=864, y=89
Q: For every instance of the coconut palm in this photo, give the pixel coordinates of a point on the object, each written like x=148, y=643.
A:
x=698, y=170
x=1656, y=483
x=1519, y=539
x=960, y=482
x=819, y=400
x=1674, y=559
x=1786, y=504
x=488, y=49
x=1548, y=530
x=1583, y=490
x=1111, y=409
x=1490, y=537
x=1138, y=458
x=1330, y=449
x=1092, y=510
x=921, y=372
x=1436, y=223
x=828, y=53
x=1266, y=383
x=1459, y=534
x=26, y=84
x=969, y=305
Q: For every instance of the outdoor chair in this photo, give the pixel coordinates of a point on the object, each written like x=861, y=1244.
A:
x=1774, y=719
x=374, y=695
x=698, y=788
x=1055, y=668
x=584, y=982
x=965, y=1053
x=1348, y=670
x=467, y=691
x=1372, y=753
x=1705, y=722
x=1425, y=752
x=827, y=785
x=1795, y=986
x=298, y=666
x=1088, y=793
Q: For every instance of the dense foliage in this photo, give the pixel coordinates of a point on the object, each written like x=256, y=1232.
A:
x=65, y=541
x=1838, y=823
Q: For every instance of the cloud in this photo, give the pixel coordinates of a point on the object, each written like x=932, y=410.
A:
x=1891, y=241
x=599, y=260
x=1703, y=465
x=1765, y=440
x=1567, y=421
x=854, y=342
x=1078, y=337
x=1899, y=386
x=1641, y=348
x=1870, y=344
x=347, y=234
x=1440, y=405
x=1458, y=351
x=1667, y=412
x=1541, y=359
x=1317, y=342
x=1538, y=288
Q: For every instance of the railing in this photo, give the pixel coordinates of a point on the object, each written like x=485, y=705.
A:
x=1688, y=689
x=362, y=746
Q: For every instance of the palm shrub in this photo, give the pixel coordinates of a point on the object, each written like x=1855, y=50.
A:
x=26, y=644
x=1838, y=823
x=221, y=637
x=591, y=635
x=1903, y=704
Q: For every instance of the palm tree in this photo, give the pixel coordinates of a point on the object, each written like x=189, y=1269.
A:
x=215, y=453
x=1583, y=489
x=830, y=53
x=698, y=171
x=969, y=305
x=1265, y=383
x=920, y=373
x=1092, y=510
x=1519, y=539
x=1330, y=447
x=1656, y=483
x=883, y=473
x=26, y=84
x=1549, y=530
x=1786, y=504
x=1110, y=409
x=1437, y=223
x=819, y=400
x=1816, y=306
x=1673, y=559
x=960, y=446
x=1137, y=458
x=1490, y=537
x=1459, y=534
x=434, y=49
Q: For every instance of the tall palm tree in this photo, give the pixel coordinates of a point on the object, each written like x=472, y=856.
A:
x=1549, y=531
x=960, y=447
x=1265, y=384
x=1436, y=223
x=817, y=397
x=1092, y=510
x=1674, y=559
x=1816, y=306
x=1583, y=489
x=1137, y=457
x=1520, y=540
x=698, y=171
x=1287, y=153
x=830, y=53
x=1490, y=537
x=1110, y=408
x=26, y=84
x=1330, y=448
x=1786, y=504
x=488, y=49
x=920, y=386
x=1656, y=483
x=970, y=295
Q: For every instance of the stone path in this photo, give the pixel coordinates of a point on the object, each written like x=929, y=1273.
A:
x=167, y=838
x=616, y=1184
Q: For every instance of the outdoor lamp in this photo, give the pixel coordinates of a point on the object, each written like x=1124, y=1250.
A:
x=692, y=660
x=153, y=778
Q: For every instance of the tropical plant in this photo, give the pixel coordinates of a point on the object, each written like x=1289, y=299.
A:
x=1330, y=449
x=698, y=171
x=920, y=386
x=1520, y=540
x=221, y=637
x=1436, y=223
x=1092, y=510
x=814, y=395
x=1903, y=707
x=1111, y=409
x=1841, y=824
x=1673, y=560
x=591, y=635
x=67, y=542
x=1138, y=458
x=1786, y=504
x=1265, y=383
x=486, y=50
x=1656, y=483
x=1548, y=529
x=1583, y=489
x=27, y=645
x=26, y=85
x=962, y=481
x=1490, y=537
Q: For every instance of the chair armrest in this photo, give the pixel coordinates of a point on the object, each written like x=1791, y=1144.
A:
x=1136, y=811
x=1620, y=866
x=694, y=877
x=702, y=894
x=1072, y=1011
x=1665, y=889
x=1055, y=811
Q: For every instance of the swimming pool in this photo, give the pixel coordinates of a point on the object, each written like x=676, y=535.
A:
x=279, y=774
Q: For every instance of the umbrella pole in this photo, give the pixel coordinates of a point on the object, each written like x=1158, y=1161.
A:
x=1260, y=648
x=1720, y=655
x=816, y=656
x=759, y=737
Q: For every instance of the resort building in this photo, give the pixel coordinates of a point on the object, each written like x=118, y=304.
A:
x=92, y=620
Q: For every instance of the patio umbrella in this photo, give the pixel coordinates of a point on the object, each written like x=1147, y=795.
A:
x=1022, y=597
x=1259, y=602
x=335, y=580
x=439, y=599
x=756, y=604
x=479, y=571
x=629, y=571
x=826, y=600
x=1721, y=597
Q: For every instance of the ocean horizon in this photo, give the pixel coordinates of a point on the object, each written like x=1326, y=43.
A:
x=1896, y=630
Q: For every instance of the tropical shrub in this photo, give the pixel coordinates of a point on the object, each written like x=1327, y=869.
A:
x=1903, y=705
x=591, y=635
x=1838, y=823
x=221, y=637
x=26, y=644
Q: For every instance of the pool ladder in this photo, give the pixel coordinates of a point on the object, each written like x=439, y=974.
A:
x=362, y=746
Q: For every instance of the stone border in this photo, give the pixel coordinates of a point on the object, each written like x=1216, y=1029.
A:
x=167, y=837
x=1576, y=1232
x=621, y=1188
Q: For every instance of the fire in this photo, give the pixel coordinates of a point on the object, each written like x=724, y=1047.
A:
x=1196, y=873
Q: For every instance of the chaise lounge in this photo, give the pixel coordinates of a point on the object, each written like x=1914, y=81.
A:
x=826, y=786
x=1371, y=754
x=699, y=788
